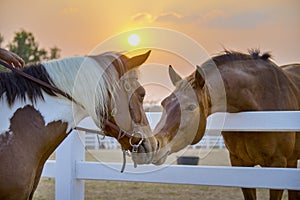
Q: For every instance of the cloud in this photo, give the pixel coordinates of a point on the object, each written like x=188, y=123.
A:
x=174, y=17
x=214, y=19
x=142, y=17
x=169, y=17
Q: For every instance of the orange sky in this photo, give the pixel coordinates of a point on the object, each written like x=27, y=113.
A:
x=78, y=26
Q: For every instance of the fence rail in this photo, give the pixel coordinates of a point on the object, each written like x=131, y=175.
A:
x=70, y=170
x=93, y=141
x=199, y=175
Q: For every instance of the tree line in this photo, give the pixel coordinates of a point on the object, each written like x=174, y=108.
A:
x=25, y=45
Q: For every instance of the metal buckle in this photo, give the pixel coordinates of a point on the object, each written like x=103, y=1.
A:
x=135, y=146
x=133, y=135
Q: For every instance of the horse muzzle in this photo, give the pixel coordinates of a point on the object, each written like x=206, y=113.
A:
x=143, y=149
x=161, y=153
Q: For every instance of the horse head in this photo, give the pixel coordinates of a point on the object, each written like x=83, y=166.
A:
x=183, y=120
x=125, y=118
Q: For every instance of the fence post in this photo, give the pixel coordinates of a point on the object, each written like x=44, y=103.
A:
x=67, y=187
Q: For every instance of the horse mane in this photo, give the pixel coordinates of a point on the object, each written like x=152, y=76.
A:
x=90, y=82
x=229, y=56
x=18, y=87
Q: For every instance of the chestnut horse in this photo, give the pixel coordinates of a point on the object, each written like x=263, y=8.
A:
x=249, y=82
x=35, y=119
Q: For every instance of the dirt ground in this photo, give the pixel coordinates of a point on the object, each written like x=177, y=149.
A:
x=103, y=190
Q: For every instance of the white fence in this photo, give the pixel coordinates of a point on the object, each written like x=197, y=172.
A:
x=70, y=170
x=93, y=141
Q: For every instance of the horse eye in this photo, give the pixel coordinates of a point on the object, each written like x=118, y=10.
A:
x=127, y=86
x=191, y=107
x=141, y=93
x=141, y=96
x=141, y=99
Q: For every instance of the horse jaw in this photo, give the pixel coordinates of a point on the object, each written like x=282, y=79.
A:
x=147, y=148
x=163, y=150
x=172, y=139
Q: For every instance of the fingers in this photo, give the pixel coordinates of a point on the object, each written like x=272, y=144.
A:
x=11, y=58
x=17, y=61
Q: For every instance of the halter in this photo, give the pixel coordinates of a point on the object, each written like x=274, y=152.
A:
x=121, y=133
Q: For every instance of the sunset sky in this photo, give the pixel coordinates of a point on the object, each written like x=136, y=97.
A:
x=78, y=26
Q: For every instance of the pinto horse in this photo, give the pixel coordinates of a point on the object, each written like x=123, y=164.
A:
x=248, y=82
x=35, y=119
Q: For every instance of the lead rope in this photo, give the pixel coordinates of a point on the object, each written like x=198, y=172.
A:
x=124, y=160
x=103, y=137
x=124, y=152
x=133, y=152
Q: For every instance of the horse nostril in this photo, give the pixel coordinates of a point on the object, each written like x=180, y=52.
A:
x=157, y=146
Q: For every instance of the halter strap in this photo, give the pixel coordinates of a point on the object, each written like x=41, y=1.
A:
x=36, y=80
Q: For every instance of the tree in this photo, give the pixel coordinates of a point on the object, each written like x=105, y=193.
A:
x=54, y=53
x=26, y=47
x=1, y=40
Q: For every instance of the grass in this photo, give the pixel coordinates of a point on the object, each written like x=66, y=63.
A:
x=106, y=190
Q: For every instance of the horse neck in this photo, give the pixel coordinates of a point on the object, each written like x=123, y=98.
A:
x=81, y=78
x=63, y=72
x=206, y=102
x=213, y=93
x=293, y=72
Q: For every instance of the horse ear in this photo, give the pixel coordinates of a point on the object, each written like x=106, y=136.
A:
x=173, y=75
x=137, y=60
x=199, y=77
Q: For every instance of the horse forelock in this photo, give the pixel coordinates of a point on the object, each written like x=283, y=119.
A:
x=187, y=83
x=116, y=59
x=116, y=71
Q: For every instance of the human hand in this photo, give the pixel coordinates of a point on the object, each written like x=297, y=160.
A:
x=11, y=58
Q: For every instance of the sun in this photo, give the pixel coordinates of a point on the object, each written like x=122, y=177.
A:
x=134, y=40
